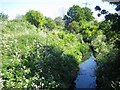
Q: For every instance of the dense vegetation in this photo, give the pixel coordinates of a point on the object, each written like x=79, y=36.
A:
x=39, y=52
x=108, y=71
x=36, y=58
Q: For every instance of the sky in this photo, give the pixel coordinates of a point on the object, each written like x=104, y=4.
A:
x=49, y=8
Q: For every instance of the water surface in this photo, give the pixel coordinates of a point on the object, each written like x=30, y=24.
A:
x=86, y=77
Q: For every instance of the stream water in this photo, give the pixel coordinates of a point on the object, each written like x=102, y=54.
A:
x=87, y=77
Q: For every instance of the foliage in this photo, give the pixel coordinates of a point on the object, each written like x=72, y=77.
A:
x=35, y=18
x=89, y=31
x=3, y=16
x=105, y=26
x=108, y=51
x=74, y=27
x=97, y=8
x=36, y=59
x=59, y=21
x=115, y=19
x=76, y=13
x=107, y=56
x=50, y=58
x=76, y=18
x=49, y=23
x=69, y=42
x=108, y=70
x=88, y=14
x=117, y=5
x=19, y=16
x=16, y=26
x=101, y=11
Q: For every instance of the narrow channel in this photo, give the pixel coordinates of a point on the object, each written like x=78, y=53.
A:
x=87, y=77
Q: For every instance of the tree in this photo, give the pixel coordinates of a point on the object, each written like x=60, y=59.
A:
x=114, y=18
x=76, y=13
x=35, y=18
x=74, y=27
x=3, y=16
x=108, y=74
x=88, y=14
x=59, y=21
x=77, y=17
x=105, y=26
x=18, y=16
x=49, y=23
x=97, y=8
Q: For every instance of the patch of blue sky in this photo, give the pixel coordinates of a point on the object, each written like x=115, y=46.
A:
x=49, y=8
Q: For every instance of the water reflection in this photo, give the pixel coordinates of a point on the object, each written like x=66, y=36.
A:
x=86, y=77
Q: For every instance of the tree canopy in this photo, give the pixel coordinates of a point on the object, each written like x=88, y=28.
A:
x=59, y=21
x=49, y=23
x=3, y=16
x=34, y=17
x=88, y=14
x=76, y=13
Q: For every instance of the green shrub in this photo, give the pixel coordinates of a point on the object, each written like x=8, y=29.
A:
x=39, y=59
x=108, y=70
x=8, y=26
x=27, y=63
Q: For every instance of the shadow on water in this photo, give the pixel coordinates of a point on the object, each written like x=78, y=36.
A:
x=87, y=77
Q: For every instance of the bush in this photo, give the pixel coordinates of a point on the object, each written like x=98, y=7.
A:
x=108, y=70
x=40, y=59
x=16, y=26
x=36, y=66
